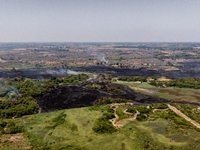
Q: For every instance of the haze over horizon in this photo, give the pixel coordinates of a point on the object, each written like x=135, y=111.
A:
x=99, y=21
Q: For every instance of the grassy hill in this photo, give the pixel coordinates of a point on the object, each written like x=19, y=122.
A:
x=72, y=129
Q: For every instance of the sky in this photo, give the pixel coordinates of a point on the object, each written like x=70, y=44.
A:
x=99, y=21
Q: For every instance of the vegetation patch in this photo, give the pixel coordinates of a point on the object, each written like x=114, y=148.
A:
x=191, y=111
x=131, y=110
x=179, y=121
x=23, y=103
x=93, y=86
x=106, y=88
x=112, y=89
x=120, y=112
x=58, y=121
x=181, y=83
x=103, y=125
x=9, y=127
x=133, y=78
x=159, y=106
x=109, y=72
x=25, y=106
x=110, y=101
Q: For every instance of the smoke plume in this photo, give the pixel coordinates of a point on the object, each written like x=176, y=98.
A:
x=95, y=53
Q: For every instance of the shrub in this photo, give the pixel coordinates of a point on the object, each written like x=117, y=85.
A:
x=109, y=115
x=12, y=128
x=111, y=89
x=57, y=121
x=159, y=106
x=74, y=127
x=110, y=110
x=103, y=125
x=141, y=117
x=143, y=109
x=131, y=110
x=95, y=86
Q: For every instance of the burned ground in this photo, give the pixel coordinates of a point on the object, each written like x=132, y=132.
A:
x=67, y=96
x=116, y=72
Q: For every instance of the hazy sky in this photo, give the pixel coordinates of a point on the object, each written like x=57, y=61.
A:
x=99, y=20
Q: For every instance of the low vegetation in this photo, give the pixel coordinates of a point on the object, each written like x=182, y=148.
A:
x=9, y=127
x=131, y=110
x=178, y=121
x=159, y=106
x=106, y=88
x=109, y=100
x=28, y=90
x=93, y=86
x=103, y=125
x=84, y=128
x=109, y=72
x=191, y=111
x=24, y=106
x=129, y=78
x=181, y=83
x=112, y=89
x=120, y=112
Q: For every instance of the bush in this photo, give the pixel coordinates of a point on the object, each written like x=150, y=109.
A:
x=111, y=89
x=57, y=121
x=143, y=109
x=109, y=115
x=159, y=106
x=74, y=127
x=92, y=85
x=155, y=77
x=3, y=123
x=110, y=110
x=141, y=117
x=131, y=110
x=103, y=125
x=12, y=128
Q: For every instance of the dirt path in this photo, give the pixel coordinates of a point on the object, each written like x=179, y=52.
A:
x=120, y=123
x=184, y=116
x=123, y=121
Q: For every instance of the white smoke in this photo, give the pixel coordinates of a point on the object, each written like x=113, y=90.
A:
x=102, y=58
x=95, y=53
x=63, y=71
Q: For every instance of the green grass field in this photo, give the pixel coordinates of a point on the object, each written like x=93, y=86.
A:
x=170, y=93
x=75, y=132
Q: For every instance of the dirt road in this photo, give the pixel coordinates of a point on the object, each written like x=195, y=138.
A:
x=184, y=116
